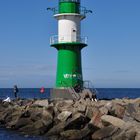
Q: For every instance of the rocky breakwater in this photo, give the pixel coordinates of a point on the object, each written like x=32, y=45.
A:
x=117, y=119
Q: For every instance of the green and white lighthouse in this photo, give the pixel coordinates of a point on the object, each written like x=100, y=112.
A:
x=69, y=43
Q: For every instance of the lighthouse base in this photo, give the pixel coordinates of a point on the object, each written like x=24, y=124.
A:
x=67, y=93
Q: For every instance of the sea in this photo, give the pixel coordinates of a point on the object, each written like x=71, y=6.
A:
x=29, y=93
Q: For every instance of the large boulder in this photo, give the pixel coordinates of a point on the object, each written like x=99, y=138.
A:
x=21, y=122
x=115, y=108
x=57, y=129
x=64, y=116
x=71, y=135
x=110, y=120
x=64, y=105
x=132, y=112
x=77, y=121
x=80, y=106
x=87, y=131
x=41, y=103
x=124, y=135
x=105, y=132
x=96, y=119
x=36, y=128
x=15, y=115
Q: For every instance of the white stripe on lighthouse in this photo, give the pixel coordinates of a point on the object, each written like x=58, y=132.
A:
x=69, y=28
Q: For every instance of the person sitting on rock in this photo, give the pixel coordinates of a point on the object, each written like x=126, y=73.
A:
x=94, y=97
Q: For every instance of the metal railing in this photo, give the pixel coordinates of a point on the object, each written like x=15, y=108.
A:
x=82, y=11
x=68, y=39
x=72, y=91
x=89, y=85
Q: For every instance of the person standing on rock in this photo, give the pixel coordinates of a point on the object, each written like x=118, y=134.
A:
x=15, y=90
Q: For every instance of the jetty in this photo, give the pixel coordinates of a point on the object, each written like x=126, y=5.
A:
x=82, y=119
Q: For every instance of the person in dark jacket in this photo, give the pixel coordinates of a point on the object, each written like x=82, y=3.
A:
x=15, y=90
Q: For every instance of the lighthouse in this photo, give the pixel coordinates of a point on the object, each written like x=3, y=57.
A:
x=69, y=42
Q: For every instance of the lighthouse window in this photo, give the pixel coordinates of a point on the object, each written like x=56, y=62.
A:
x=74, y=30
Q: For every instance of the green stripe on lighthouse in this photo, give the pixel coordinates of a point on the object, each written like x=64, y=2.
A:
x=69, y=72
x=69, y=6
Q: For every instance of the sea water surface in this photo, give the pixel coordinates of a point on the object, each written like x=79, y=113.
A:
x=26, y=93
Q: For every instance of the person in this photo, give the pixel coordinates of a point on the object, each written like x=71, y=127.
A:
x=15, y=90
x=77, y=88
x=42, y=90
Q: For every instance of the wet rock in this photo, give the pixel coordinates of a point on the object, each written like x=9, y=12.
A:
x=64, y=116
x=110, y=120
x=105, y=132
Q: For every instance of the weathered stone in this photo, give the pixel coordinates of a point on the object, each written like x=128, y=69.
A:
x=36, y=115
x=64, y=116
x=21, y=122
x=104, y=133
x=125, y=135
x=110, y=120
x=115, y=109
x=37, y=128
x=57, y=129
x=71, y=135
x=42, y=103
x=87, y=131
x=81, y=108
x=90, y=111
x=76, y=122
x=65, y=105
x=54, y=137
x=132, y=112
x=96, y=119
x=130, y=134
x=137, y=137
x=119, y=111
x=103, y=110
x=137, y=116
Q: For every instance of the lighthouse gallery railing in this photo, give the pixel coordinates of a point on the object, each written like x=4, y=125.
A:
x=68, y=39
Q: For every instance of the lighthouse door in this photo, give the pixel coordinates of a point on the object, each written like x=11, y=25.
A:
x=73, y=35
